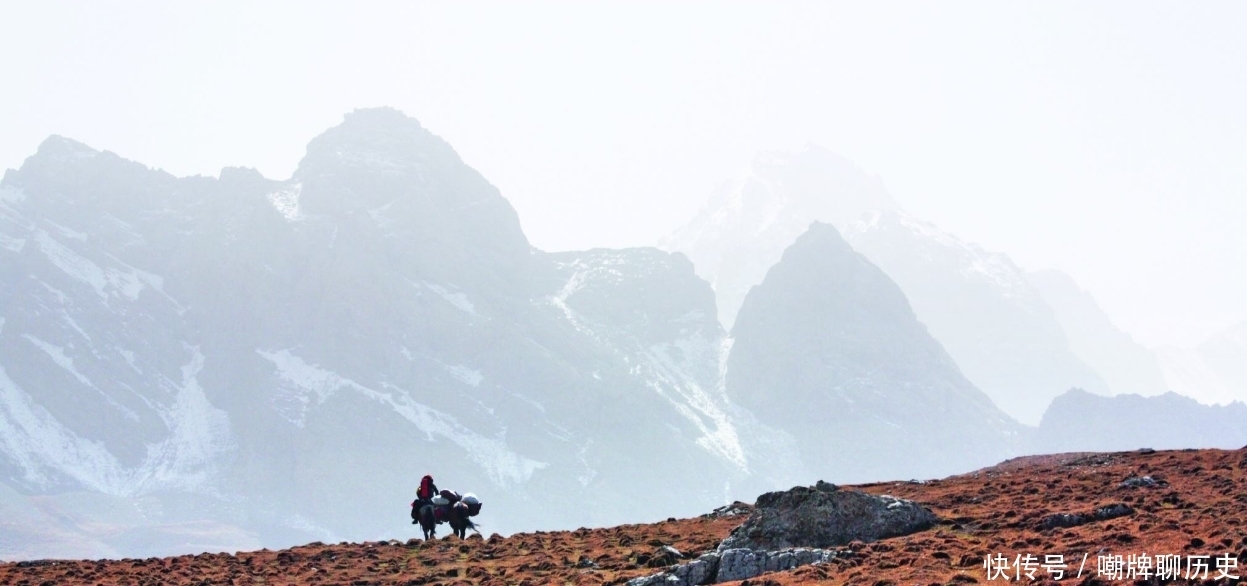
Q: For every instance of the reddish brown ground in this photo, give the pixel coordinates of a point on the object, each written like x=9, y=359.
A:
x=996, y=510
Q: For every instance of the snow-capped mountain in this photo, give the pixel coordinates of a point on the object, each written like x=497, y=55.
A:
x=285, y=359
x=200, y=363
x=982, y=308
x=977, y=303
x=827, y=348
x=748, y=222
x=1125, y=365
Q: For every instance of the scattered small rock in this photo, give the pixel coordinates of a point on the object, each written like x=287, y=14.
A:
x=1142, y=482
x=732, y=510
x=664, y=556
x=585, y=562
x=1063, y=520
x=823, y=486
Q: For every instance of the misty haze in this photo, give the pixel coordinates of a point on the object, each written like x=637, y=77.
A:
x=264, y=268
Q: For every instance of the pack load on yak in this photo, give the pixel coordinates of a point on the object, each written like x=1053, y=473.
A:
x=433, y=507
x=474, y=504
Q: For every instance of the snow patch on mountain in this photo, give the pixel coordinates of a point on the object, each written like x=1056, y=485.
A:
x=43, y=448
x=559, y=300
x=308, y=382
x=286, y=201
x=469, y=376
x=305, y=385
x=72, y=264
x=457, y=299
x=672, y=379
x=129, y=358
x=57, y=354
x=60, y=295
x=12, y=244
x=67, y=232
x=601, y=269
x=46, y=450
x=73, y=324
x=198, y=433
x=128, y=283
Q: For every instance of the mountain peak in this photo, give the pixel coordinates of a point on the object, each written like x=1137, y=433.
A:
x=826, y=333
x=371, y=140
x=824, y=234
x=57, y=148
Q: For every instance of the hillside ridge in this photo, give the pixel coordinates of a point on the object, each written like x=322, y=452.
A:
x=1186, y=503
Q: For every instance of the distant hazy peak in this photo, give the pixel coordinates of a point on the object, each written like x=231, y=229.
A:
x=1235, y=335
x=1054, y=285
x=1125, y=366
x=975, y=262
x=783, y=190
x=898, y=220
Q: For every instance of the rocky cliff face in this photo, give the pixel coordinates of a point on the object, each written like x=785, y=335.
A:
x=828, y=349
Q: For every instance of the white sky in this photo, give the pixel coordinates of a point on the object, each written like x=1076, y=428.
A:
x=1105, y=139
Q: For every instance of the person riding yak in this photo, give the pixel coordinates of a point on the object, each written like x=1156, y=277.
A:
x=433, y=507
x=426, y=492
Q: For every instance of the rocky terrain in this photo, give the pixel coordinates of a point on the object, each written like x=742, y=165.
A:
x=1185, y=503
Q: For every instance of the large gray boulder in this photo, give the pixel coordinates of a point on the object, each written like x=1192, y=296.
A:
x=824, y=516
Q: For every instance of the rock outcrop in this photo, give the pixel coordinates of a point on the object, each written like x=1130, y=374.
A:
x=824, y=516
x=735, y=564
x=797, y=527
